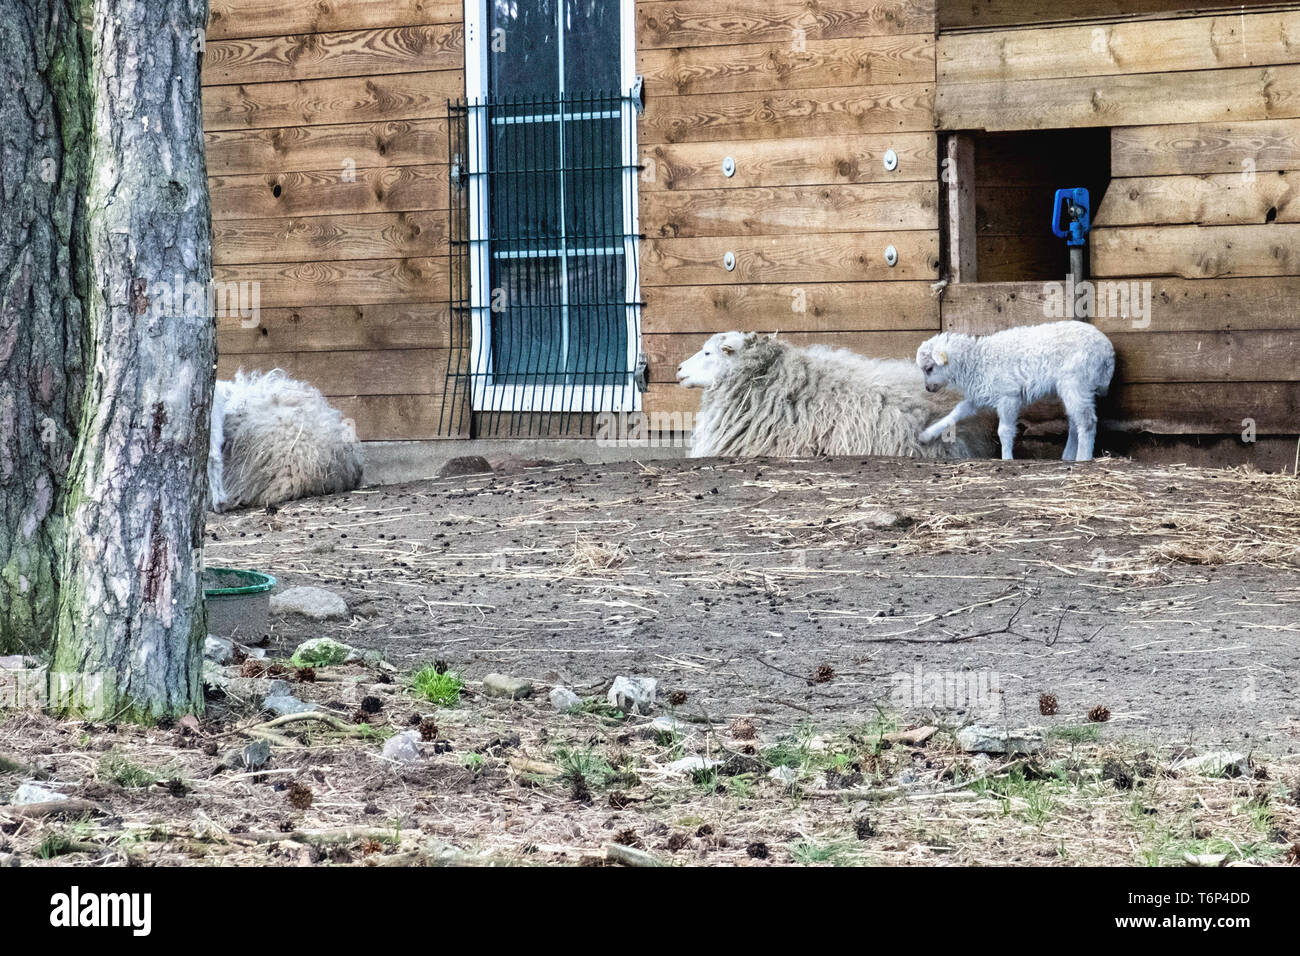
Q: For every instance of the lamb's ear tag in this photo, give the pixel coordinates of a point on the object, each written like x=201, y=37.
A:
x=942, y=358
x=728, y=350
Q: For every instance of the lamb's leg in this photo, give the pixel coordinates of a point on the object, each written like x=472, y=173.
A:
x=1082, y=411
x=963, y=409
x=1008, y=415
x=1071, y=443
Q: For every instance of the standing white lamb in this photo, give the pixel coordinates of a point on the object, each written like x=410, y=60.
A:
x=274, y=439
x=1016, y=367
x=764, y=397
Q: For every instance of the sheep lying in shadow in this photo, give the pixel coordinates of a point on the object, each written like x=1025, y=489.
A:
x=765, y=397
x=274, y=439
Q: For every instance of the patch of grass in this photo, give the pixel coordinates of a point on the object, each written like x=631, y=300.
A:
x=807, y=853
x=583, y=765
x=1075, y=735
x=55, y=844
x=116, y=768
x=441, y=687
x=472, y=761
x=1030, y=799
x=794, y=751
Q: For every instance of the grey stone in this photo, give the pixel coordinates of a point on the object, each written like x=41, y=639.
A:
x=465, y=465
x=218, y=649
x=279, y=688
x=994, y=740
x=668, y=725
x=256, y=653
x=9, y=860
x=564, y=700
x=499, y=685
x=1222, y=763
x=253, y=756
x=14, y=662
x=315, y=603
x=283, y=704
x=692, y=764
x=633, y=695
x=32, y=793
x=403, y=748
x=889, y=520
x=784, y=775
x=322, y=652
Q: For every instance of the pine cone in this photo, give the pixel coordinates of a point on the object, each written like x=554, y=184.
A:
x=1047, y=705
x=1099, y=714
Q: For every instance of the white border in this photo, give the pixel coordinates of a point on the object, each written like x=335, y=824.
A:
x=487, y=396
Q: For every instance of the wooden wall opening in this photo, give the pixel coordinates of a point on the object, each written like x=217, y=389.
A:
x=1016, y=178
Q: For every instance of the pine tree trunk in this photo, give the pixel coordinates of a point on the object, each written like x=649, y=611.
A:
x=43, y=152
x=130, y=620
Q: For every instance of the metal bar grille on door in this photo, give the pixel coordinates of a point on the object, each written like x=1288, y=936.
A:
x=545, y=322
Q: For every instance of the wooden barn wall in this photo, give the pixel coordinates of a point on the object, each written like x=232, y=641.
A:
x=1204, y=119
x=327, y=160
x=806, y=99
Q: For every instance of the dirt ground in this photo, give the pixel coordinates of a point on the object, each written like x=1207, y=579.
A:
x=1166, y=595
x=798, y=617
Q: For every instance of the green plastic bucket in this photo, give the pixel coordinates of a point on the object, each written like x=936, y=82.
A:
x=239, y=602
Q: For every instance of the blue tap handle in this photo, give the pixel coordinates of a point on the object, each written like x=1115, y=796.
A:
x=1071, y=215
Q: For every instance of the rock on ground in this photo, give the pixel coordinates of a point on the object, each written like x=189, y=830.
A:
x=1223, y=763
x=219, y=650
x=403, y=748
x=500, y=685
x=315, y=603
x=633, y=695
x=283, y=704
x=692, y=764
x=786, y=775
x=322, y=652
x=253, y=756
x=994, y=740
x=564, y=700
x=32, y=793
x=465, y=465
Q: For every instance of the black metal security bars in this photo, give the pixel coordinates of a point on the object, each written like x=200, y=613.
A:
x=545, y=322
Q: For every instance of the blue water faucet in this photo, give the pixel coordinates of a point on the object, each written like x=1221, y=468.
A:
x=1072, y=205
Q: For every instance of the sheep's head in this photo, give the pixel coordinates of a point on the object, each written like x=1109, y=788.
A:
x=709, y=364
x=932, y=360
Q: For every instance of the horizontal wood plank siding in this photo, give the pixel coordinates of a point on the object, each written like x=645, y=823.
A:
x=800, y=102
x=1200, y=214
x=326, y=129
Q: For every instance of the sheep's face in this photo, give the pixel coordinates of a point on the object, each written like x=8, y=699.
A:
x=932, y=360
x=707, y=366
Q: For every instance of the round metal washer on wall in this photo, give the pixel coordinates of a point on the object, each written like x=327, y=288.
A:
x=891, y=256
x=729, y=261
x=891, y=160
x=728, y=167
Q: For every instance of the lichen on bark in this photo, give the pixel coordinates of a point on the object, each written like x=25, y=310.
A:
x=43, y=164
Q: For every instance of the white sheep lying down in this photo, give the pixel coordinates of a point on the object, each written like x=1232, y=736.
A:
x=765, y=397
x=1016, y=367
x=274, y=439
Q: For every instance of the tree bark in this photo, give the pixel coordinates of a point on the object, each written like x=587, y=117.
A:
x=43, y=155
x=130, y=605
